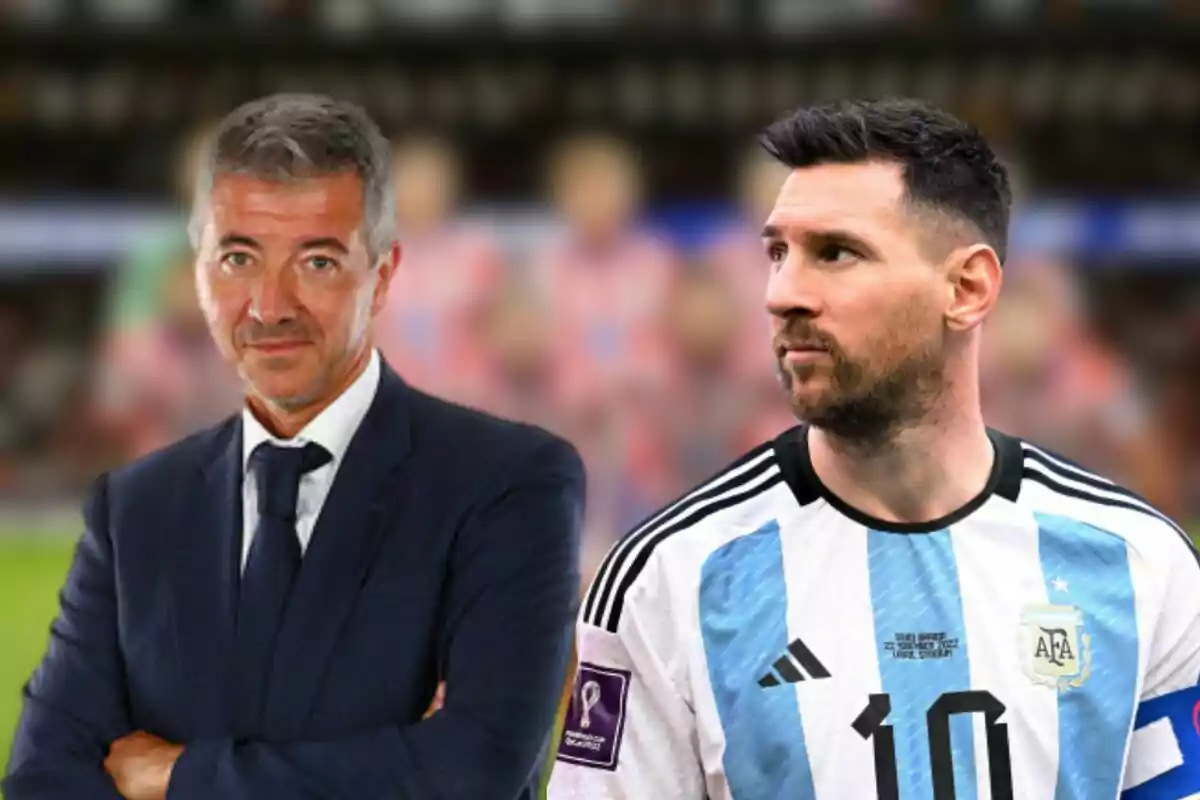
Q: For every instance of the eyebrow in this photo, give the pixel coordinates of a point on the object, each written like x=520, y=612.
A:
x=321, y=242
x=833, y=236
x=239, y=239
x=325, y=243
x=816, y=239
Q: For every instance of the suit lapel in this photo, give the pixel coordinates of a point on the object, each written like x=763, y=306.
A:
x=338, y=557
x=205, y=566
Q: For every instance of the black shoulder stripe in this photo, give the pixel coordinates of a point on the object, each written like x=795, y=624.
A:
x=622, y=552
x=1077, y=473
x=604, y=584
x=615, y=553
x=639, y=562
x=1080, y=494
x=1067, y=470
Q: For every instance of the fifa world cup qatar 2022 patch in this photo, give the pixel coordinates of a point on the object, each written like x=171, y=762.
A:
x=595, y=717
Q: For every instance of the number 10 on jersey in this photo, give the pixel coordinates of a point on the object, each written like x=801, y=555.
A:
x=871, y=724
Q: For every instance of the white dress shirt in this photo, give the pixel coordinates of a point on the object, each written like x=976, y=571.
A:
x=333, y=429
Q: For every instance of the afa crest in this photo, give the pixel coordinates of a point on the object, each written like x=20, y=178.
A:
x=1055, y=650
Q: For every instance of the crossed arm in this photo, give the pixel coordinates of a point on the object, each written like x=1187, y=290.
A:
x=509, y=615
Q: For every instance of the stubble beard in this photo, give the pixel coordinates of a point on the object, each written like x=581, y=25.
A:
x=329, y=372
x=293, y=402
x=866, y=405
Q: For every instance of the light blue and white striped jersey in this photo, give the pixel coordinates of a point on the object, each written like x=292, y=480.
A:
x=760, y=640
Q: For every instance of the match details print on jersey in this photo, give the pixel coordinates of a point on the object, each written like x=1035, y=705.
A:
x=758, y=640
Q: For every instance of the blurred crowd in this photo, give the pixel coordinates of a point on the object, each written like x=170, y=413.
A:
x=776, y=15
x=652, y=357
x=655, y=363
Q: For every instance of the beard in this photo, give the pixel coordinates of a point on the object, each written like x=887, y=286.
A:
x=868, y=399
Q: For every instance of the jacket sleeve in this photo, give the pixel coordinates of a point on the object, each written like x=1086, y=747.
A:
x=75, y=703
x=512, y=594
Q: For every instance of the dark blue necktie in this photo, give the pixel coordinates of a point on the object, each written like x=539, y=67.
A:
x=270, y=570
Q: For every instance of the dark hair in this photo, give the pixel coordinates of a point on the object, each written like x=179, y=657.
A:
x=947, y=164
x=286, y=136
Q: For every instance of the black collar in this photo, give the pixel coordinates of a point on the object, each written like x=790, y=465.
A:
x=795, y=462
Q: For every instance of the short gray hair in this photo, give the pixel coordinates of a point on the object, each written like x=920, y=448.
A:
x=290, y=136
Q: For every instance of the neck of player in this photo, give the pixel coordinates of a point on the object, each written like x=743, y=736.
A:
x=922, y=472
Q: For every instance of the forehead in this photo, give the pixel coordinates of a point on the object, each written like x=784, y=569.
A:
x=594, y=160
x=427, y=154
x=331, y=202
x=840, y=196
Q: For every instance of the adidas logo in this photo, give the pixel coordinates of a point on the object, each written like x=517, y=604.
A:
x=792, y=666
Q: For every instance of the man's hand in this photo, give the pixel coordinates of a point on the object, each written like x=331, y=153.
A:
x=140, y=765
x=439, y=699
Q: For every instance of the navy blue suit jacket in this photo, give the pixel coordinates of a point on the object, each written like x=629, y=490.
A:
x=447, y=548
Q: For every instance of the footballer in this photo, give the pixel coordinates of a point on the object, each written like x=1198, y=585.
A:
x=891, y=600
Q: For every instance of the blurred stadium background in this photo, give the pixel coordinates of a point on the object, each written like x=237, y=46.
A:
x=579, y=203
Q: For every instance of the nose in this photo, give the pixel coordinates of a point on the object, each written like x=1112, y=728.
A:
x=271, y=297
x=793, y=289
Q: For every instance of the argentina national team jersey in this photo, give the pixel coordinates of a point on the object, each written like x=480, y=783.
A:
x=761, y=640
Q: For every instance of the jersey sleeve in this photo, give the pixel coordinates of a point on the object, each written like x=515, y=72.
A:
x=1164, y=751
x=1175, y=650
x=629, y=732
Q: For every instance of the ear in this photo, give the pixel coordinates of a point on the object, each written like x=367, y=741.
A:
x=974, y=278
x=386, y=269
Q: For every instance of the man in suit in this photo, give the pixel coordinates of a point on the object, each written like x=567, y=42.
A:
x=265, y=609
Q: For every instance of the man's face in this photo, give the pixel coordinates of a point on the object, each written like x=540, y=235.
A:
x=426, y=178
x=514, y=336
x=701, y=322
x=856, y=307
x=597, y=191
x=286, y=283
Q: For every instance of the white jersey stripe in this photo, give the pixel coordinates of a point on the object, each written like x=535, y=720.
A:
x=1057, y=481
x=1064, y=465
x=1062, y=469
x=1074, y=483
x=833, y=628
x=993, y=600
x=645, y=536
x=604, y=583
x=736, y=502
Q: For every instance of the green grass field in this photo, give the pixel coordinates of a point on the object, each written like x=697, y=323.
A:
x=33, y=562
